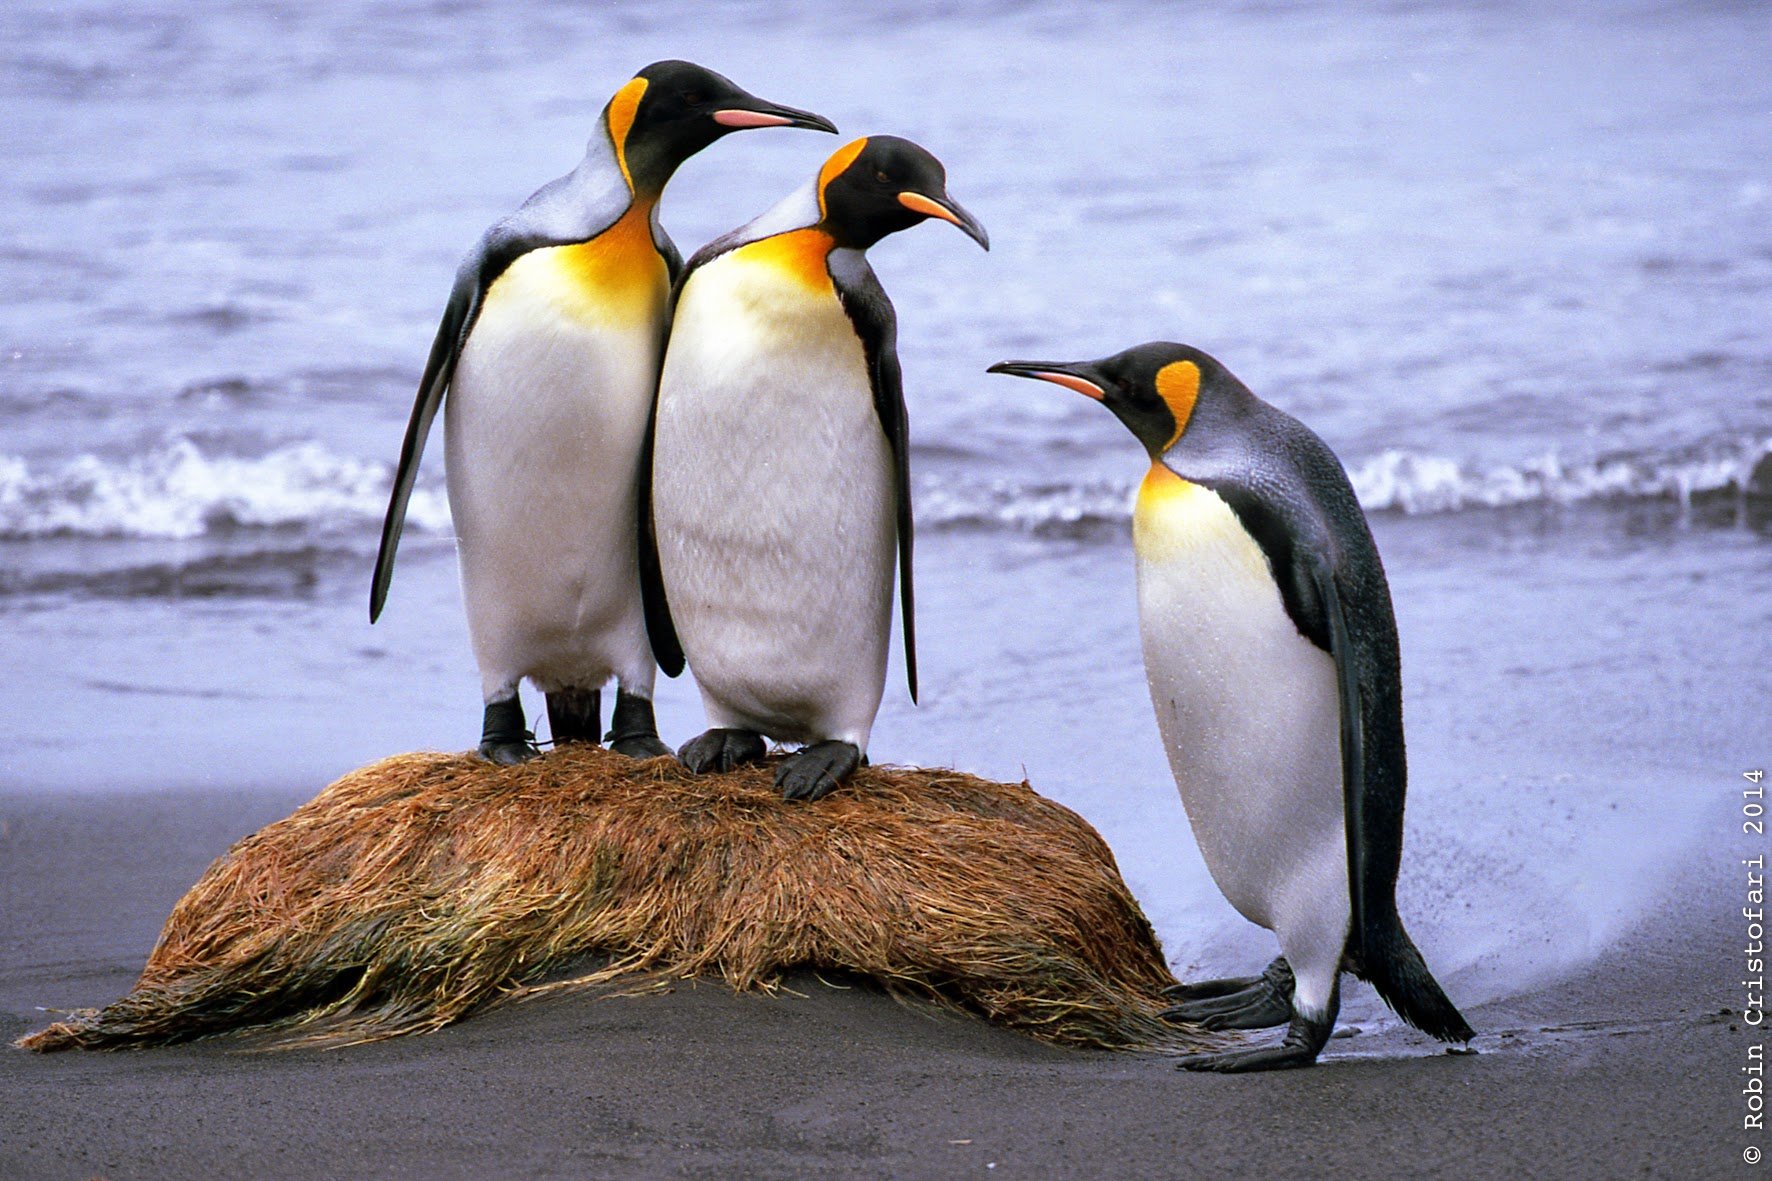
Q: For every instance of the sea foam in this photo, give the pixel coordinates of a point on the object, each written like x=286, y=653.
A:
x=177, y=491
x=1394, y=481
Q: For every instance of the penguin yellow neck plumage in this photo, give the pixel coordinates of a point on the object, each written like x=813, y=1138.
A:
x=620, y=265
x=617, y=279
x=800, y=255
x=1176, y=519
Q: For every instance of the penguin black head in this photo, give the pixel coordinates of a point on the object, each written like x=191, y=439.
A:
x=1152, y=388
x=673, y=109
x=883, y=184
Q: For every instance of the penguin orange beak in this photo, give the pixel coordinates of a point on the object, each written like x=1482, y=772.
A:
x=1070, y=375
x=949, y=210
x=758, y=113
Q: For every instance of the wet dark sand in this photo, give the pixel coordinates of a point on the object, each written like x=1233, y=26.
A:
x=1626, y=1071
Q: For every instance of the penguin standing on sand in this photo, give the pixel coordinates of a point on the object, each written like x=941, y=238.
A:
x=780, y=485
x=1272, y=657
x=549, y=351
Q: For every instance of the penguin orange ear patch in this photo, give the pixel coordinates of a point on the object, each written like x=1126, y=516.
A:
x=622, y=109
x=1178, y=384
x=839, y=162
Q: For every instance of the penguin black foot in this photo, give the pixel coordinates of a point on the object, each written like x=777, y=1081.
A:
x=814, y=772
x=1304, y=1040
x=722, y=750
x=633, y=731
x=1265, y=1001
x=575, y=715
x=503, y=738
x=1202, y=989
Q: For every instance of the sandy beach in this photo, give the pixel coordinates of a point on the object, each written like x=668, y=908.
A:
x=1627, y=1070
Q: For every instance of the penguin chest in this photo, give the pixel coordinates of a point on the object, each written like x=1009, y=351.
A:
x=774, y=499
x=1246, y=705
x=544, y=424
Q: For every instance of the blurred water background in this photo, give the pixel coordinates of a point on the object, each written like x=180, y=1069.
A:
x=1511, y=260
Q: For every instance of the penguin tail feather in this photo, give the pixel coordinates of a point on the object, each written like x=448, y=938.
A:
x=1395, y=968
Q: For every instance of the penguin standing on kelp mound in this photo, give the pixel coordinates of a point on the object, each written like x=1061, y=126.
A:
x=1271, y=652
x=780, y=488
x=549, y=350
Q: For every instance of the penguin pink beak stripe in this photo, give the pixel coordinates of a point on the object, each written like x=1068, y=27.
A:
x=750, y=119
x=1087, y=388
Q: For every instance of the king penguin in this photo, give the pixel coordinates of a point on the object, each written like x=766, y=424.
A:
x=1271, y=652
x=780, y=478
x=549, y=351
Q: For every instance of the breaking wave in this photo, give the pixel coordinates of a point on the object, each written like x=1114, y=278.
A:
x=1407, y=482
x=1396, y=481
x=176, y=491
x=179, y=491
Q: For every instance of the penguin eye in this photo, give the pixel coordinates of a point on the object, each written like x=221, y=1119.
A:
x=881, y=175
x=692, y=98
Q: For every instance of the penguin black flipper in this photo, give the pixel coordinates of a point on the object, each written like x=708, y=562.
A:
x=1381, y=948
x=661, y=629
x=869, y=309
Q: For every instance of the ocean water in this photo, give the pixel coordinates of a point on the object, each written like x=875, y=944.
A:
x=1513, y=264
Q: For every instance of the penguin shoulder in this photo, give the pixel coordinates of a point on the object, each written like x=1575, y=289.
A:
x=797, y=211
x=581, y=204
x=1290, y=493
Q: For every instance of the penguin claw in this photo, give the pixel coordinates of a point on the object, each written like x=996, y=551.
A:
x=817, y=770
x=1278, y=973
x=509, y=754
x=1253, y=1008
x=504, y=739
x=640, y=746
x=721, y=750
x=1248, y=1061
x=1304, y=1040
x=1201, y=990
x=1266, y=1001
x=633, y=730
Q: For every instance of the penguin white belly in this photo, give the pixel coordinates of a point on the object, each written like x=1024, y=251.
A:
x=544, y=421
x=773, y=498
x=1250, y=719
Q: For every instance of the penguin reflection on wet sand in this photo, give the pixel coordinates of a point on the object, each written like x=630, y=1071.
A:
x=549, y=350
x=1271, y=652
x=780, y=470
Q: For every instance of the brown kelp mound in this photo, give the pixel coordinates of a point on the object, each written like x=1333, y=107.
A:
x=418, y=889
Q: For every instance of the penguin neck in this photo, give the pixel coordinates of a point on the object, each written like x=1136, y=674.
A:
x=647, y=176
x=860, y=243
x=614, y=267
x=796, y=211
x=857, y=237
x=606, y=166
